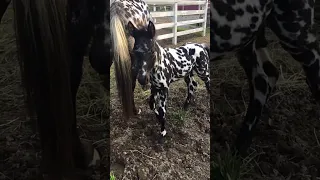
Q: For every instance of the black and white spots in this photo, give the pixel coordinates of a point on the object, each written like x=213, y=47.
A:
x=175, y=64
x=135, y=11
x=239, y=26
x=163, y=66
x=234, y=24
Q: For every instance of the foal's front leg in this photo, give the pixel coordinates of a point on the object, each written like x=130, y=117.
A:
x=160, y=110
x=262, y=76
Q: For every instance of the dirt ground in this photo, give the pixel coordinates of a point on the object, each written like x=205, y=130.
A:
x=19, y=145
x=135, y=151
x=286, y=145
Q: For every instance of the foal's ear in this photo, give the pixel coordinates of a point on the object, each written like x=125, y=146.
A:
x=131, y=28
x=151, y=29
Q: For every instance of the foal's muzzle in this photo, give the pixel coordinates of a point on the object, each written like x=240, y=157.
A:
x=143, y=78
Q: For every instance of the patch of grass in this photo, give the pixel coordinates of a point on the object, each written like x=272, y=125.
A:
x=228, y=166
x=181, y=29
x=179, y=116
x=112, y=176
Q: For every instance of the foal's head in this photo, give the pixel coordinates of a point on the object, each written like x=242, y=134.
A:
x=144, y=51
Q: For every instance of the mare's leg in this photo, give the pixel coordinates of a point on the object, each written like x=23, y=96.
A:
x=161, y=108
x=3, y=7
x=134, y=73
x=262, y=76
x=134, y=82
x=293, y=26
x=191, y=84
x=99, y=55
x=75, y=78
x=85, y=154
x=80, y=34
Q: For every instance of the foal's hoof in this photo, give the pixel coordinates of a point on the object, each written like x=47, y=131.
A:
x=186, y=106
x=187, y=103
x=163, y=133
x=162, y=137
x=242, y=146
x=146, y=87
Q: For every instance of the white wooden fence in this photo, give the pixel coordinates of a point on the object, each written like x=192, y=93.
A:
x=175, y=13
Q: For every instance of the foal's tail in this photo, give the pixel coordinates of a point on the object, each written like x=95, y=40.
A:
x=207, y=47
x=122, y=62
x=41, y=32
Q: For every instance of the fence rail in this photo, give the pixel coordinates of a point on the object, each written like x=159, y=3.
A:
x=175, y=13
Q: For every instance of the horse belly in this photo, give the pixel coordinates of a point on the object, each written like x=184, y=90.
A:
x=234, y=26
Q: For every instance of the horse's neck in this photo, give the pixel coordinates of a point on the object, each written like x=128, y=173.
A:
x=159, y=50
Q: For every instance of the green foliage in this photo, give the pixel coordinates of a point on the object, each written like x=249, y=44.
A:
x=112, y=176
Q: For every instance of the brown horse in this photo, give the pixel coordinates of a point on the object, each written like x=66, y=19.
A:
x=52, y=37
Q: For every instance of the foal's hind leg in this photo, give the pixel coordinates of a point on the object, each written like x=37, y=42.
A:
x=192, y=84
x=202, y=69
x=206, y=79
x=262, y=76
x=298, y=38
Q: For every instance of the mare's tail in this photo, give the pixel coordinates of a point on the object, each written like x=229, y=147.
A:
x=122, y=62
x=41, y=32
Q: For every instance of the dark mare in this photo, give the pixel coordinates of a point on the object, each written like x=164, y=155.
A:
x=52, y=39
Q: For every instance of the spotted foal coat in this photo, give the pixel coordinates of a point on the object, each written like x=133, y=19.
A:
x=238, y=26
x=168, y=65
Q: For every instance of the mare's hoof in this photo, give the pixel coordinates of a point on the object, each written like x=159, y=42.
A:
x=137, y=112
x=92, y=157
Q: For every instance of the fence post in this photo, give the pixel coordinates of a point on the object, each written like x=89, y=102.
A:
x=205, y=18
x=175, y=29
